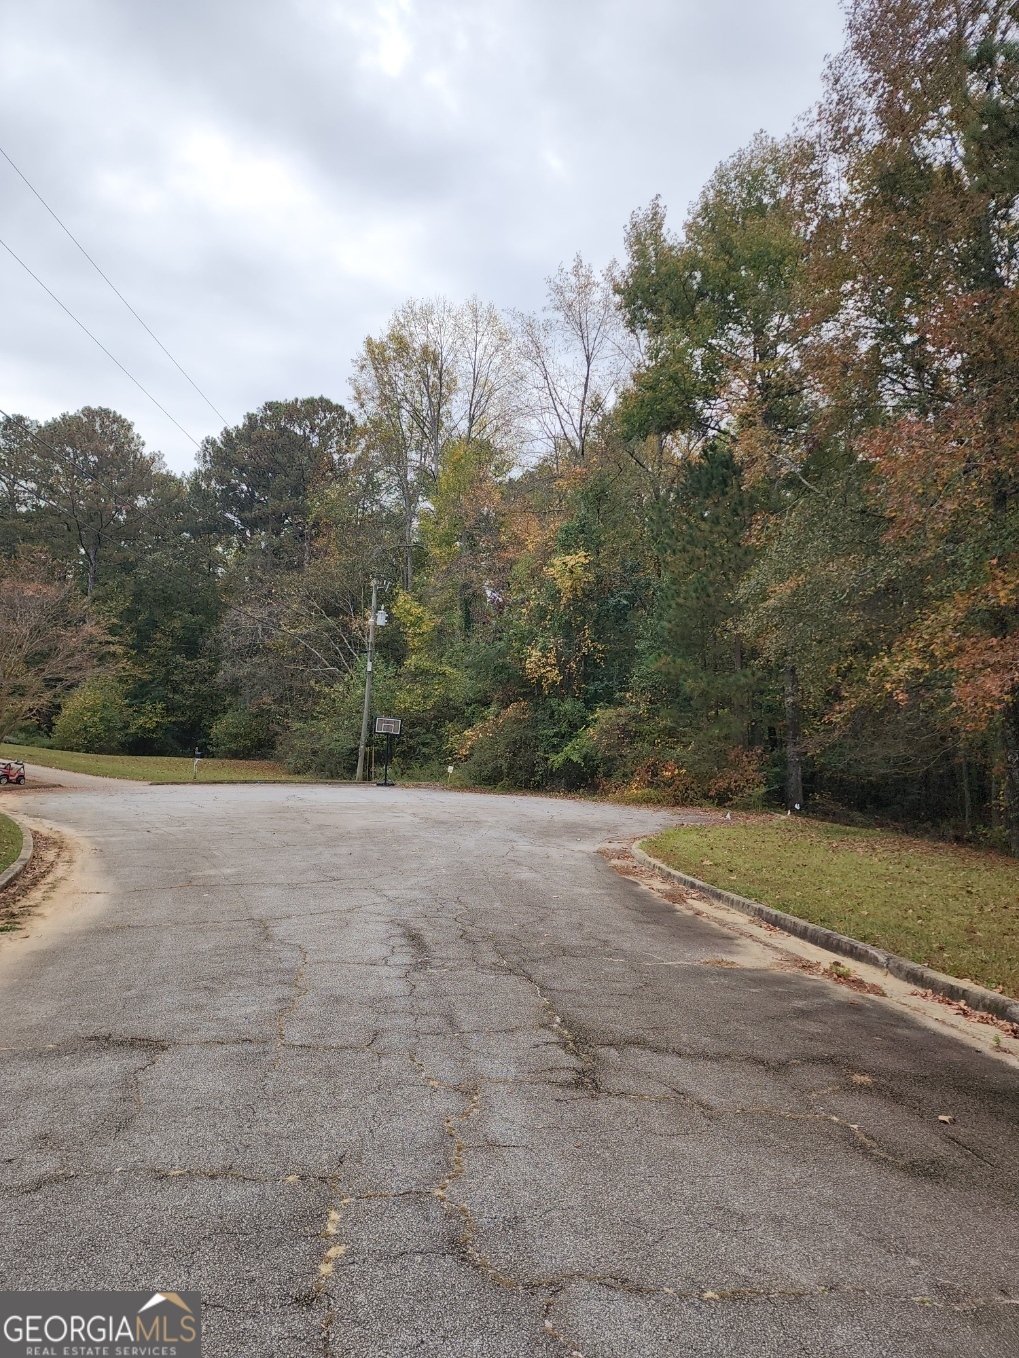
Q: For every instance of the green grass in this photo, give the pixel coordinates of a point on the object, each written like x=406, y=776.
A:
x=951, y=908
x=155, y=768
x=10, y=842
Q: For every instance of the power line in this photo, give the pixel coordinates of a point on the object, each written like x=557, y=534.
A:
x=67, y=231
x=100, y=343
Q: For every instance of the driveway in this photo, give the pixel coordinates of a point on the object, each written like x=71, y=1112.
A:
x=409, y=1072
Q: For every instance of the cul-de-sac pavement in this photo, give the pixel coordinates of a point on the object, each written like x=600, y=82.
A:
x=413, y=1072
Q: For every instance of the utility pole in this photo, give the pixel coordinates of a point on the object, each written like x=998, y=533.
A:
x=367, y=684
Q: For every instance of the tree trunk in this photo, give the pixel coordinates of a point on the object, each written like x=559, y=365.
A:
x=408, y=554
x=967, y=800
x=1010, y=741
x=793, y=744
x=92, y=560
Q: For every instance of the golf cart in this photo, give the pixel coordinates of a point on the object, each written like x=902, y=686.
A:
x=12, y=771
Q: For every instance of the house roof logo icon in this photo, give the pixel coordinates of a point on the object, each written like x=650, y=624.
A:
x=158, y=1297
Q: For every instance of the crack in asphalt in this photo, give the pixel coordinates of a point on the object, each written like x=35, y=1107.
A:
x=469, y=1229
x=585, y=1053
x=466, y=940
x=300, y=990
x=196, y=1043
x=165, y=1172
x=333, y=1251
x=159, y=1050
x=289, y=886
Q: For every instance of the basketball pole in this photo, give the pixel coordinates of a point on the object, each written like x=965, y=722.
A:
x=388, y=756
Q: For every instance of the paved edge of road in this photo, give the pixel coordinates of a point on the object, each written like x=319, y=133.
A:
x=977, y=997
x=23, y=858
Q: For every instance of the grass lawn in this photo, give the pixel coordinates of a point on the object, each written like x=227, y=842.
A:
x=155, y=768
x=10, y=842
x=951, y=908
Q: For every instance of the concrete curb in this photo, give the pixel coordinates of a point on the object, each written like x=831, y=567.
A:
x=976, y=996
x=22, y=860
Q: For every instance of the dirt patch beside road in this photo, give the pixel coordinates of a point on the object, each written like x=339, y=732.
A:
x=51, y=858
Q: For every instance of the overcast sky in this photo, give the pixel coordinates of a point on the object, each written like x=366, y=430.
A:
x=265, y=180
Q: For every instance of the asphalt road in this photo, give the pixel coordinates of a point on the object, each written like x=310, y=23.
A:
x=416, y=1073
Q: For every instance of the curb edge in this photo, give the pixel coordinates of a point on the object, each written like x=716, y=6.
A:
x=977, y=997
x=23, y=859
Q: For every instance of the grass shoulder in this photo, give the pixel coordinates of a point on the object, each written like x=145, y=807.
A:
x=155, y=768
x=10, y=842
x=952, y=908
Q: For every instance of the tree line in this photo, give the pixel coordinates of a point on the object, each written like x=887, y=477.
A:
x=732, y=521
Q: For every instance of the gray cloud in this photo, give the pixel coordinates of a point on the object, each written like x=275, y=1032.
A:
x=267, y=179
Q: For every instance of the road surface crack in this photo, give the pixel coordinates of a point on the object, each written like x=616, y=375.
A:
x=300, y=988
x=333, y=1251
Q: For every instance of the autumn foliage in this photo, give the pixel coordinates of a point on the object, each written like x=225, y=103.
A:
x=733, y=521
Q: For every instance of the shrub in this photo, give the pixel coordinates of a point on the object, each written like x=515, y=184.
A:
x=605, y=746
x=243, y=733
x=29, y=733
x=502, y=750
x=95, y=719
x=662, y=780
x=741, y=782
